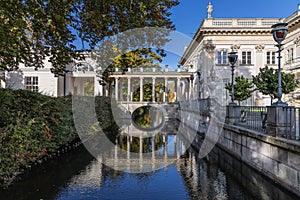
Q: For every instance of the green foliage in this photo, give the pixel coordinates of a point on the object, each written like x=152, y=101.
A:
x=243, y=88
x=31, y=30
x=266, y=81
x=147, y=88
x=33, y=126
x=132, y=59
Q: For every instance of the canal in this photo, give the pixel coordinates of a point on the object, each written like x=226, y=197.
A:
x=78, y=175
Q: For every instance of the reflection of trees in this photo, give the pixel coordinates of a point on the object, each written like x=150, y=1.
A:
x=147, y=117
x=141, y=116
x=147, y=144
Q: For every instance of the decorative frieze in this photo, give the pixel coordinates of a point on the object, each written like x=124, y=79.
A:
x=209, y=46
x=259, y=48
x=235, y=47
x=297, y=41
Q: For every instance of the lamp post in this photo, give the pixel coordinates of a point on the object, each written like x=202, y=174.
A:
x=191, y=85
x=279, y=32
x=232, y=58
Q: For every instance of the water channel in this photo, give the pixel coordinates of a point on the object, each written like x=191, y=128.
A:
x=172, y=171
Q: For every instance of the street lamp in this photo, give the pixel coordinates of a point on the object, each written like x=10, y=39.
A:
x=279, y=32
x=232, y=58
x=191, y=85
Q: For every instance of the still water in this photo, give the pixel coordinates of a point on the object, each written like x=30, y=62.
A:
x=78, y=175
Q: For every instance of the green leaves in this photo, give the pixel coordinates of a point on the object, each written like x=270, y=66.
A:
x=33, y=125
x=243, y=88
x=266, y=82
x=31, y=30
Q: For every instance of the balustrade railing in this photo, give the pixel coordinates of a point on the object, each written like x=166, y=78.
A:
x=253, y=117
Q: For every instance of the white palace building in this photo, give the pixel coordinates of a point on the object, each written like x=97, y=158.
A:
x=251, y=38
x=205, y=69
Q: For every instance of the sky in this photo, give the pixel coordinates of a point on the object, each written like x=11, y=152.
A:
x=188, y=15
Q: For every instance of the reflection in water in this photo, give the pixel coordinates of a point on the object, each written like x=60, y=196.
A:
x=148, y=117
x=78, y=176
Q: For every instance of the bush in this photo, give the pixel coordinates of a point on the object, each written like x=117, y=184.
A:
x=32, y=126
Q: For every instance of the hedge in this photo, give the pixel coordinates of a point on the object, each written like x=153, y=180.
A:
x=33, y=126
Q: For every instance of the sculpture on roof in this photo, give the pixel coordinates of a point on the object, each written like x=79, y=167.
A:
x=209, y=9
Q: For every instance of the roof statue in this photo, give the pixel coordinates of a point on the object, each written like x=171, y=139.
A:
x=209, y=10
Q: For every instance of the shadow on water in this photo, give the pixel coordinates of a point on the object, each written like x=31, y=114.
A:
x=44, y=181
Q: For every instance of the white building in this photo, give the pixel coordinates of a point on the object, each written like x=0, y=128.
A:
x=81, y=79
x=251, y=38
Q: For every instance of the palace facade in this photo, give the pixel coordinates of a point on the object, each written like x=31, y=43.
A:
x=251, y=38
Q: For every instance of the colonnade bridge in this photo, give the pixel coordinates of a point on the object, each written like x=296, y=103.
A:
x=150, y=86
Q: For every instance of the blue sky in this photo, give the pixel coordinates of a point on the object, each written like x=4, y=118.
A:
x=188, y=15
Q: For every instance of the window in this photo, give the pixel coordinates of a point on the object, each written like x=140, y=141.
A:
x=290, y=55
x=222, y=57
x=271, y=57
x=246, y=57
x=31, y=83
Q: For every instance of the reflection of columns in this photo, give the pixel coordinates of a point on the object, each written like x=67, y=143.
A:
x=175, y=145
x=141, y=144
x=153, y=146
x=116, y=88
x=116, y=154
x=166, y=89
x=128, y=146
x=183, y=148
x=153, y=152
x=128, y=89
x=128, y=152
x=141, y=90
x=141, y=153
x=178, y=89
x=178, y=142
x=166, y=150
x=153, y=89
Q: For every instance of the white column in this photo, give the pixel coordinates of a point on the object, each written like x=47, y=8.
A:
x=116, y=88
x=153, y=89
x=178, y=90
x=129, y=89
x=141, y=89
x=166, y=89
x=190, y=89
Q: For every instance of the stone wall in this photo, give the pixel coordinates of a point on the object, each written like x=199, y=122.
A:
x=274, y=157
x=277, y=158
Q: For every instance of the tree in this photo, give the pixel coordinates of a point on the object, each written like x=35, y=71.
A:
x=266, y=81
x=32, y=30
x=243, y=88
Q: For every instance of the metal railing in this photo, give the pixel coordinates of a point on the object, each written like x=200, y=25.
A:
x=253, y=117
x=292, y=122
